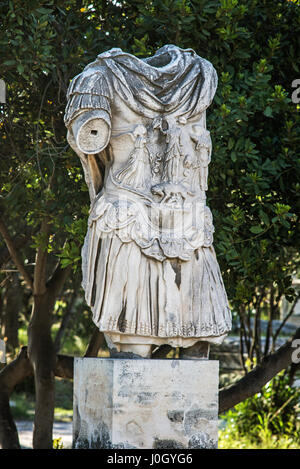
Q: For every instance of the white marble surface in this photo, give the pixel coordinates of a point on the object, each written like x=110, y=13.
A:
x=150, y=273
x=123, y=403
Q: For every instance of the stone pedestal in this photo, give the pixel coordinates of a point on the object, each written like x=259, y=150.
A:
x=132, y=403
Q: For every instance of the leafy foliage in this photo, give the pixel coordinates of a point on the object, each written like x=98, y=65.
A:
x=270, y=415
x=254, y=176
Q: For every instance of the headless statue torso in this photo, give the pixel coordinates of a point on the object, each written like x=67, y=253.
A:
x=150, y=273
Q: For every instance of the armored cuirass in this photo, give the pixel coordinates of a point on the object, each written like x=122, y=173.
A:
x=149, y=268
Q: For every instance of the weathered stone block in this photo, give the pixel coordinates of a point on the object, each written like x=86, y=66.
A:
x=132, y=403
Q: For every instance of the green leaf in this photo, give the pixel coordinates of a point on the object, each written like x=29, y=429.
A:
x=256, y=229
x=9, y=62
x=233, y=156
x=44, y=11
x=20, y=69
x=268, y=112
x=231, y=143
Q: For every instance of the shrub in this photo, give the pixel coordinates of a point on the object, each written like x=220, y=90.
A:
x=271, y=415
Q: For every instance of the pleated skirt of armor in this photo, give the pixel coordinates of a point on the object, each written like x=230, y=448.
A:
x=137, y=299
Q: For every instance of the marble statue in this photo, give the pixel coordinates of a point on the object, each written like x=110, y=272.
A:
x=150, y=273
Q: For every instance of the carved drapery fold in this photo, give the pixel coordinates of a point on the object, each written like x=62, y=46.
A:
x=144, y=120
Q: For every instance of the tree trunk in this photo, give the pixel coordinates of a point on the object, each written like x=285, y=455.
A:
x=11, y=375
x=65, y=319
x=42, y=356
x=11, y=307
x=15, y=372
x=9, y=438
x=40, y=346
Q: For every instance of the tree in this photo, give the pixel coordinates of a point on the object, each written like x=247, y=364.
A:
x=254, y=175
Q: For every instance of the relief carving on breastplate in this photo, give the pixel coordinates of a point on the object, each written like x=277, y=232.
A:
x=155, y=194
x=136, y=172
x=174, y=173
x=162, y=203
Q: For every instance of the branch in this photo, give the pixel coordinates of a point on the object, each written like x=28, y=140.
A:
x=253, y=382
x=66, y=318
x=58, y=278
x=15, y=254
x=20, y=368
x=97, y=340
x=270, y=322
x=17, y=370
x=286, y=317
x=39, y=280
x=19, y=242
x=64, y=366
x=11, y=375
